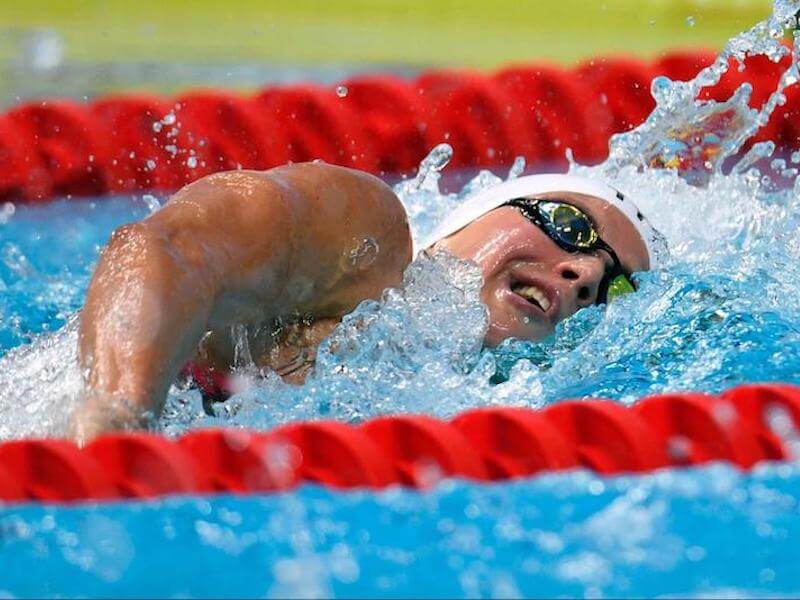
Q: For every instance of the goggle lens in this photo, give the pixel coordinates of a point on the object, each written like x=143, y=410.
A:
x=570, y=224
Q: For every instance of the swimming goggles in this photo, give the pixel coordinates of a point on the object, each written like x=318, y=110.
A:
x=573, y=230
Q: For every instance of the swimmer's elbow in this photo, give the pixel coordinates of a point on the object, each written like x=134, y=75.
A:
x=128, y=246
x=145, y=253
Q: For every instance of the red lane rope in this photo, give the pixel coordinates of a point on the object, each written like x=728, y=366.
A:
x=378, y=123
x=742, y=426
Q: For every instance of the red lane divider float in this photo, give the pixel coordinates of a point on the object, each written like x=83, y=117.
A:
x=54, y=470
x=332, y=454
x=607, y=437
x=143, y=466
x=423, y=450
x=515, y=442
x=237, y=461
x=378, y=123
x=743, y=426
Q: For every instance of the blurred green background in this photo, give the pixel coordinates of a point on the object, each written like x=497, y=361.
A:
x=75, y=44
x=469, y=32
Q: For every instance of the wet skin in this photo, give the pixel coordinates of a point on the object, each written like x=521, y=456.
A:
x=261, y=248
x=513, y=252
x=241, y=247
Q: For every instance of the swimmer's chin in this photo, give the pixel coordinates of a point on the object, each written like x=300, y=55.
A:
x=497, y=335
x=499, y=332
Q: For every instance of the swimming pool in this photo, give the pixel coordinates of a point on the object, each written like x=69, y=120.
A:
x=715, y=318
x=719, y=313
x=708, y=532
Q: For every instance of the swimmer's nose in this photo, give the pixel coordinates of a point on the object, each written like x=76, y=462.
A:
x=582, y=273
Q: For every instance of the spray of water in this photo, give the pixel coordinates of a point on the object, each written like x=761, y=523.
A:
x=41, y=385
x=696, y=136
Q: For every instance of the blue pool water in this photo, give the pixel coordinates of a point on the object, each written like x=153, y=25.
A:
x=47, y=254
x=710, y=532
x=714, y=317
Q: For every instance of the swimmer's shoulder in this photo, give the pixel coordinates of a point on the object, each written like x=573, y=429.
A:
x=325, y=191
x=318, y=213
x=355, y=190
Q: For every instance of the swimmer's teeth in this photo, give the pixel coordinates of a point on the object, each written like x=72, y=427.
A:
x=531, y=292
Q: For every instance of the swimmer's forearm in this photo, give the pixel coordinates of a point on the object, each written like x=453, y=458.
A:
x=208, y=258
x=144, y=312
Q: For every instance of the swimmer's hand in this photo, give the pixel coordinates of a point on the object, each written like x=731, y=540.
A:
x=239, y=247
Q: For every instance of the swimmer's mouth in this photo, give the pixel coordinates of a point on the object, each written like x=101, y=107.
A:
x=533, y=294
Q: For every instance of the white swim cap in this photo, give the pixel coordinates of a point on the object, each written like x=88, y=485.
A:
x=524, y=187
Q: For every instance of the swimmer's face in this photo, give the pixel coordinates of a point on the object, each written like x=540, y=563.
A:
x=519, y=261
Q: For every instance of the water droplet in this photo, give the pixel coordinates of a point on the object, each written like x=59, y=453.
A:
x=517, y=168
x=282, y=460
x=152, y=203
x=341, y=91
x=596, y=487
x=766, y=575
x=759, y=151
x=191, y=162
x=428, y=473
x=428, y=174
x=6, y=212
x=780, y=420
x=679, y=448
x=724, y=413
x=690, y=21
x=363, y=254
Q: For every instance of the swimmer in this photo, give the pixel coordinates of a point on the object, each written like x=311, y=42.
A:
x=288, y=252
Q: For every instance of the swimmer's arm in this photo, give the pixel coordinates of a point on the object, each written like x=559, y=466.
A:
x=239, y=247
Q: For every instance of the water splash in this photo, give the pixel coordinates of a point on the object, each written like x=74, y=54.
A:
x=696, y=136
x=41, y=385
x=716, y=316
x=517, y=168
x=757, y=152
x=425, y=203
x=383, y=358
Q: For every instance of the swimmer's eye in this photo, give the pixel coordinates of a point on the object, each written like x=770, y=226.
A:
x=574, y=231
